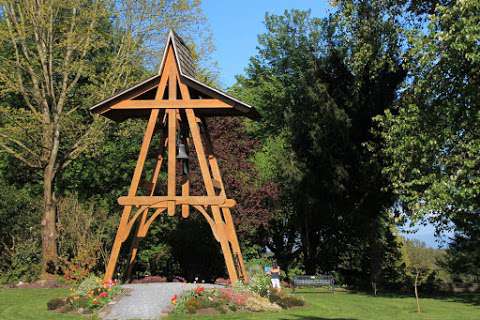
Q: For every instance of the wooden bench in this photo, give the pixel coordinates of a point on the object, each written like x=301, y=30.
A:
x=322, y=280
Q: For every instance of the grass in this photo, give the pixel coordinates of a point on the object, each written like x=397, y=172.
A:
x=28, y=304
x=322, y=305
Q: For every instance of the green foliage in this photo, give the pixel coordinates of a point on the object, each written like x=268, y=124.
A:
x=83, y=250
x=317, y=84
x=260, y=284
x=156, y=259
x=87, y=285
x=295, y=271
x=431, y=141
x=58, y=59
x=19, y=233
x=199, y=298
x=422, y=261
x=25, y=263
x=92, y=294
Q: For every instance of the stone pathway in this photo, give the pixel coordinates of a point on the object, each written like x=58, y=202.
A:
x=147, y=300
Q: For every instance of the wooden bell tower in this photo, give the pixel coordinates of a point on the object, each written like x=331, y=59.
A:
x=176, y=105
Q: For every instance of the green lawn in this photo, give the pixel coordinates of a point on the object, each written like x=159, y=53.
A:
x=322, y=305
x=27, y=304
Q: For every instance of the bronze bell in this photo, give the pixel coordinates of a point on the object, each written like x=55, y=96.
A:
x=183, y=156
x=182, y=152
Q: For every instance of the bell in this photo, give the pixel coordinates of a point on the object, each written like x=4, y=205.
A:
x=182, y=152
x=183, y=156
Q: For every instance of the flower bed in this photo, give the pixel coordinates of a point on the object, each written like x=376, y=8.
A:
x=91, y=295
x=227, y=300
x=212, y=301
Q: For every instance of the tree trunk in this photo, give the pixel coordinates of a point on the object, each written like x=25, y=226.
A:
x=49, y=232
x=416, y=293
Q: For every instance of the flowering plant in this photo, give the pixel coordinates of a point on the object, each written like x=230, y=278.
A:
x=93, y=293
x=173, y=300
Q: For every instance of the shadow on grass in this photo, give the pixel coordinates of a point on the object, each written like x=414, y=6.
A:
x=299, y=317
x=311, y=291
x=468, y=298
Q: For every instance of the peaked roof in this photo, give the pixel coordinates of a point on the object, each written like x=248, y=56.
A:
x=187, y=74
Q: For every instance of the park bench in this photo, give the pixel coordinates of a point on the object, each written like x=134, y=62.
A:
x=322, y=280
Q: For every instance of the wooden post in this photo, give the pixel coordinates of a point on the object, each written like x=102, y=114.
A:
x=123, y=231
x=207, y=180
x=227, y=216
x=172, y=161
x=153, y=181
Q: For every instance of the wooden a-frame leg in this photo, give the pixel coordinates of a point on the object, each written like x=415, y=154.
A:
x=123, y=230
x=139, y=234
x=232, y=237
x=207, y=179
x=135, y=244
x=227, y=216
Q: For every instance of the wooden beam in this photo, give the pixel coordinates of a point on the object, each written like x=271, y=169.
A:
x=122, y=231
x=160, y=201
x=207, y=180
x=227, y=216
x=172, y=161
x=175, y=104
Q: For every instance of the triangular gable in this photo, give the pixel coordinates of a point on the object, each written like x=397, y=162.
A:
x=186, y=73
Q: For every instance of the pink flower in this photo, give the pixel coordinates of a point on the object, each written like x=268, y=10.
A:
x=108, y=284
x=103, y=294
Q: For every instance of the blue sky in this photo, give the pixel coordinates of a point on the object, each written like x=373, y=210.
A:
x=235, y=26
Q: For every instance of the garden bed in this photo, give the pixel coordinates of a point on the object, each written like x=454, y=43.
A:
x=88, y=297
x=229, y=300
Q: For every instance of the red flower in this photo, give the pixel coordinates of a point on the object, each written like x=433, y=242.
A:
x=173, y=300
x=103, y=294
x=199, y=290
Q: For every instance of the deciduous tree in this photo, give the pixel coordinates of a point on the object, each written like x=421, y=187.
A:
x=58, y=57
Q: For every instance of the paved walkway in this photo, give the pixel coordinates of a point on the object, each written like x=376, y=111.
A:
x=147, y=300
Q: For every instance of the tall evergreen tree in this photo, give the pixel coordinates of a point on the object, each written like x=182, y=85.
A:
x=318, y=84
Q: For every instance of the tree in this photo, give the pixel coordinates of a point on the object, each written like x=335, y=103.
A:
x=58, y=57
x=318, y=83
x=432, y=137
x=420, y=261
x=462, y=258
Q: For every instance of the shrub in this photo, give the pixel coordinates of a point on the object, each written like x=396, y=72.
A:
x=260, y=284
x=295, y=271
x=90, y=283
x=286, y=300
x=257, y=304
x=192, y=305
x=55, y=303
x=24, y=262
